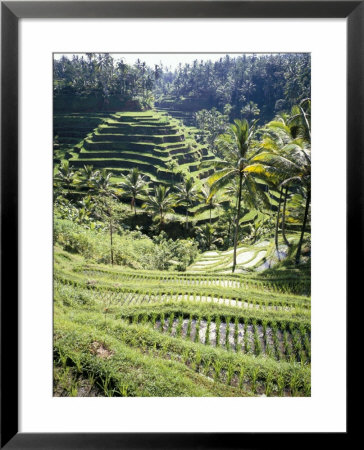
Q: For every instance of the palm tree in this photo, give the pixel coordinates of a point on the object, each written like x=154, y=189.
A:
x=65, y=176
x=134, y=185
x=209, y=201
x=237, y=146
x=286, y=160
x=172, y=166
x=228, y=216
x=102, y=183
x=299, y=121
x=102, y=186
x=299, y=124
x=297, y=159
x=250, y=110
x=206, y=235
x=284, y=217
x=160, y=203
x=279, y=135
x=291, y=165
x=87, y=207
x=186, y=194
x=277, y=223
x=87, y=176
x=272, y=142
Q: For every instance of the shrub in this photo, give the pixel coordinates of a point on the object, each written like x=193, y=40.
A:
x=130, y=248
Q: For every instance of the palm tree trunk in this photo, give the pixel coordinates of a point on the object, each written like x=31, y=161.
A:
x=68, y=188
x=111, y=246
x=237, y=221
x=134, y=206
x=284, y=218
x=233, y=220
x=298, y=254
x=277, y=223
x=161, y=220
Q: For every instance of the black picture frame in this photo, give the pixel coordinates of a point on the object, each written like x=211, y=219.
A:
x=11, y=12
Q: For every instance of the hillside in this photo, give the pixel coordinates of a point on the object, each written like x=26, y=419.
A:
x=69, y=131
x=149, y=140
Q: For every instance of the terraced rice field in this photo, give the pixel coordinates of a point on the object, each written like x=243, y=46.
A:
x=186, y=117
x=153, y=333
x=259, y=256
x=221, y=261
x=151, y=141
x=148, y=140
x=70, y=130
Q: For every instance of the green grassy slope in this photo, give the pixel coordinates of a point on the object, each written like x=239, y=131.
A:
x=122, y=332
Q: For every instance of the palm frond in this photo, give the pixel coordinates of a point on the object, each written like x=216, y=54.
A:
x=220, y=174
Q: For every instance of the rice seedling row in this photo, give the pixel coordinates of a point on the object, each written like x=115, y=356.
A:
x=251, y=300
x=247, y=337
x=284, y=285
x=239, y=371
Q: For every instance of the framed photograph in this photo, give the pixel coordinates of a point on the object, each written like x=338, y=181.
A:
x=172, y=264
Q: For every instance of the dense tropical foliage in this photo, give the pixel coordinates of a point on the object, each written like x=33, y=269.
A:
x=251, y=85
